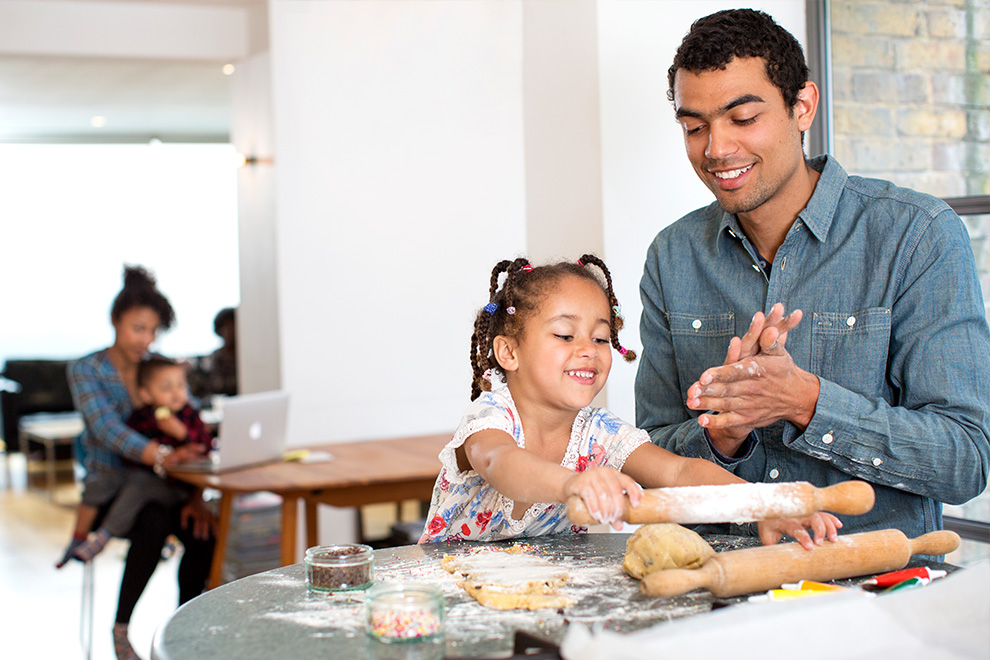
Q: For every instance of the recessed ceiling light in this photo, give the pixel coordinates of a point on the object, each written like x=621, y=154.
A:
x=98, y=121
x=227, y=69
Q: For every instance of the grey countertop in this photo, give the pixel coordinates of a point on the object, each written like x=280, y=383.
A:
x=273, y=615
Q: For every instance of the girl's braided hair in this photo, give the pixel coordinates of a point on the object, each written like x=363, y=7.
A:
x=508, y=308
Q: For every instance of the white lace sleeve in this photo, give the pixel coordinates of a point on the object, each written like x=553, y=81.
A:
x=491, y=410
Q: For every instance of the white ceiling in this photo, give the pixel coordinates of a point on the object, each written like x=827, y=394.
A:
x=52, y=98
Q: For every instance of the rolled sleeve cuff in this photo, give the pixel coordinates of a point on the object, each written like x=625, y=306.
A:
x=744, y=452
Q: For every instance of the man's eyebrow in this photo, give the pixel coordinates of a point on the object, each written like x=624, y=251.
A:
x=739, y=100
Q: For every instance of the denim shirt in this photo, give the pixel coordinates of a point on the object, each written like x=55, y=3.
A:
x=894, y=327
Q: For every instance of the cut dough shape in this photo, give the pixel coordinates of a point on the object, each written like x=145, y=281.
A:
x=657, y=547
x=509, y=579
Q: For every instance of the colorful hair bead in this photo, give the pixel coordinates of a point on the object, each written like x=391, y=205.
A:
x=527, y=268
x=491, y=307
x=510, y=310
x=617, y=310
x=487, y=375
x=580, y=263
x=623, y=350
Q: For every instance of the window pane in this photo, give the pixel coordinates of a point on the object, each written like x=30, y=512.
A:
x=911, y=104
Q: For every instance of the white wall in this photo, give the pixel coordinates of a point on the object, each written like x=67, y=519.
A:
x=647, y=181
x=398, y=133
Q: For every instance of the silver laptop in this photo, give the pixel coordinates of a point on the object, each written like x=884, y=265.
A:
x=252, y=432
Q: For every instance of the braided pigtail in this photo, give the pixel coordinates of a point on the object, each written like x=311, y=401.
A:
x=615, y=314
x=498, y=317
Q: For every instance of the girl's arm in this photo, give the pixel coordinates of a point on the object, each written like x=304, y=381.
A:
x=525, y=477
x=656, y=467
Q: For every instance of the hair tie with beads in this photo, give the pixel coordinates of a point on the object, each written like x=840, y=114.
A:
x=490, y=308
x=527, y=268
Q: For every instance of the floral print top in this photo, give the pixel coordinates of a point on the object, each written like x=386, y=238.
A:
x=466, y=507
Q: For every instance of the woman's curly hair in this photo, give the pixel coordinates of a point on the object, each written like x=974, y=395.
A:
x=141, y=290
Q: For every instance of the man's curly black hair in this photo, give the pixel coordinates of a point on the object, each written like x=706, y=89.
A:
x=715, y=40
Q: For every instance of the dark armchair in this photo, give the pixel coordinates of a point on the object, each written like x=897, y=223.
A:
x=43, y=388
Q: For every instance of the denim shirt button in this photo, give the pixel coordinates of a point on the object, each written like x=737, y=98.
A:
x=774, y=473
x=851, y=321
x=696, y=324
x=827, y=438
x=877, y=461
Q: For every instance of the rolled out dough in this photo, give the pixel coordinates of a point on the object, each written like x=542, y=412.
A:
x=657, y=547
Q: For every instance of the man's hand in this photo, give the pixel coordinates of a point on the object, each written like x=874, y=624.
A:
x=758, y=384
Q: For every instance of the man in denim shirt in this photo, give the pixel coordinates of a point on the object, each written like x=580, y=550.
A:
x=882, y=370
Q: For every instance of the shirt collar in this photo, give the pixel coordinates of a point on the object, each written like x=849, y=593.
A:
x=817, y=215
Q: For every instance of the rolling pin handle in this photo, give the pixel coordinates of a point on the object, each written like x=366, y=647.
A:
x=578, y=513
x=848, y=497
x=935, y=543
x=675, y=581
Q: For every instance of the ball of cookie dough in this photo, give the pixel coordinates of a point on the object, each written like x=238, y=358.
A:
x=657, y=547
x=162, y=412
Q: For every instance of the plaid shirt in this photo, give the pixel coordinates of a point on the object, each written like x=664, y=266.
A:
x=102, y=398
x=143, y=421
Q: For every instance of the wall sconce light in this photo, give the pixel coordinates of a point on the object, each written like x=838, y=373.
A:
x=242, y=160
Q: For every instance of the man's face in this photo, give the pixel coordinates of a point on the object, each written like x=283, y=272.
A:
x=739, y=136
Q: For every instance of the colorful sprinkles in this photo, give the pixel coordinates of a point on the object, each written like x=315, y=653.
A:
x=405, y=623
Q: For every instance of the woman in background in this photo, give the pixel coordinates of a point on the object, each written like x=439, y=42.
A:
x=105, y=390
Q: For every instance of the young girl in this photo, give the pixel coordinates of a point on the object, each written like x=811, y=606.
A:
x=522, y=450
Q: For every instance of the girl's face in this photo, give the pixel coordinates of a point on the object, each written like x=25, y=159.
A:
x=562, y=357
x=136, y=329
x=166, y=387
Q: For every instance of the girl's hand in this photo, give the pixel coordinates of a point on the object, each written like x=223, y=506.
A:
x=823, y=525
x=604, y=491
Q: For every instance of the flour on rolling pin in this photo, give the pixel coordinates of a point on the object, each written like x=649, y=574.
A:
x=510, y=579
x=733, y=503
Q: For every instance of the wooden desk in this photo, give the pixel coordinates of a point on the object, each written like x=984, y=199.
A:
x=360, y=473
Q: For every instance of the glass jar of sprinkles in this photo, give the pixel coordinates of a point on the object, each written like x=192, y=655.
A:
x=339, y=567
x=404, y=612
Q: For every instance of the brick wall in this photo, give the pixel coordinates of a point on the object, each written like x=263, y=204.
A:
x=911, y=99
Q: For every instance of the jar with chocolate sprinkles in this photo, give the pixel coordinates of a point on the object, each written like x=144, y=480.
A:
x=331, y=568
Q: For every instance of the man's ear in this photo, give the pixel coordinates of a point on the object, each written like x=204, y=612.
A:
x=504, y=350
x=806, y=106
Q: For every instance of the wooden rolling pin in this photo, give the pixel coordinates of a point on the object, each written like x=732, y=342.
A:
x=737, y=503
x=757, y=569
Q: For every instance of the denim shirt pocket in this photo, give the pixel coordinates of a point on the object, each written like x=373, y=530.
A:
x=699, y=340
x=850, y=348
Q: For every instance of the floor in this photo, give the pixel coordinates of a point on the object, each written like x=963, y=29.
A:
x=45, y=619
